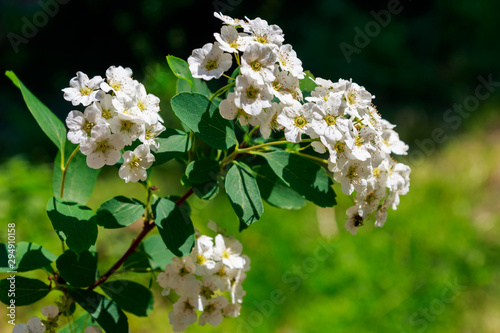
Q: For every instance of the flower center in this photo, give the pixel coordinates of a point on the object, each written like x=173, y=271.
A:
x=352, y=172
x=115, y=85
x=330, y=120
x=359, y=141
x=351, y=97
x=211, y=65
x=127, y=125
x=256, y=65
x=200, y=259
x=134, y=163
x=183, y=271
x=300, y=121
x=103, y=146
x=206, y=292
x=261, y=39
x=209, y=308
x=85, y=91
x=277, y=86
x=252, y=92
x=141, y=106
x=376, y=172
x=106, y=114
x=222, y=272
x=339, y=147
x=358, y=220
x=88, y=127
x=370, y=197
x=234, y=45
x=225, y=254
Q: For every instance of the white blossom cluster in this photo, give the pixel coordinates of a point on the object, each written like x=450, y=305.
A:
x=37, y=325
x=338, y=116
x=118, y=111
x=208, y=280
x=269, y=71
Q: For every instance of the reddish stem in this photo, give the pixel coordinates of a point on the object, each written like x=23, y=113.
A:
x=148, y=226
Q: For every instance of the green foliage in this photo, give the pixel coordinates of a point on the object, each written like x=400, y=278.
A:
x=173, y=143
x=180, y=68
x=175, y=227
x=151, y=255
x=202, y=117
x=303, y=176
x=48, y=121
x=74, y=223
x=29, y=256
x=244, y=194
x=78, y=270
x=119, y=212
x=80, y=179
x=106, y=312
x=25, y=291
x=130, y=296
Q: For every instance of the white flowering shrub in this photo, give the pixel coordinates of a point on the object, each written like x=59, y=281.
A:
x=272, y=132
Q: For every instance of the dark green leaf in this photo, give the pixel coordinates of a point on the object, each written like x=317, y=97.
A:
x=201, y=171
x=151, y=254
x=275, y=191
x=29, y=256
x=106, y=312
x=74, y=223
x=243, y=193
x=204, y=119
x=173, y=143
x=52, y=126
x=175, y=227
x=78, y=270
x=303, y=176
x=119, y=212
x=80, y=179
x=206, y=191
x=23, y=290
x=307, y=84
x=130, y=296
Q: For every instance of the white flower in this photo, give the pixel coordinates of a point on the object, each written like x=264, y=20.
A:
x=232, y=310
x=212, y=311
x=93, y=329
x=286, y=87
x=230, y=111
x=209, y=62
x=128, y=127
x=119, y=80
x=177, y=271
x=228, y=251
x=251, y=96
x=20, y=328
x=390, y=138
x=202, y=256
x=258, y=63
x=352, y=176
x=150, y=134
x=135, y=164
x=354, y=220
x=267, y=119
x=264, y=33
x=148, y=104
x=80, y=124
x=296, y=119
x=50, y=311
x=184, y=314
x=235, y=22
x=35, y=325
x=103, y=148
x=356, y=99
x=105, y=106
x=289, y=62
x=230, y=40
x=82, y=90
x=328, y=120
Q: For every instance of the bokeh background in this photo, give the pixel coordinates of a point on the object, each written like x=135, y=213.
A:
x=434, y=267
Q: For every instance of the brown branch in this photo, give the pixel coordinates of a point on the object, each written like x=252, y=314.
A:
x=148, y=226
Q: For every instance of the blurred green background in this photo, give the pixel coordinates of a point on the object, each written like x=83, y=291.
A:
x=434, y=266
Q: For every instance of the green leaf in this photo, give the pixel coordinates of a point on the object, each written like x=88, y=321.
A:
x=307, y=84
x=106, y=312
x=151, y=254
x=182, y=86
x=201, y=171
x=244, y=194
x=275, y=192
x=204, y=119
x=78, y=270
x=29, y=256
x=74, y=223
x=52, y=126
x=80, y=179
x=119, y=212
x=175, y=227
x=173, y=143
x=130, y=296
x=78, y=325
x=186, y=82
x=25, y=291
x=206, y=191
x=303, y=176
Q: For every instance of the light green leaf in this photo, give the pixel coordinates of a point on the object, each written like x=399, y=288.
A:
x=106, y=312
x=186, y=82
x=130, y=296
x=27, y=291
x=275, y=192
x=175, y=227
x=52, y=126
x=151, y=254
x=119, y=212
x=204, y=119
x=29, y=256
x=74, y=223
x=78, y=270
x=303, y=176
x=244, y=194
x=80, y=179
x=173, y=143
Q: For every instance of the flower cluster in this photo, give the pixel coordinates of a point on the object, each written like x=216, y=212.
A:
x=204, y=280
x=118, y=112
x=37, y=325
x=338, y=117
x=269, y=71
